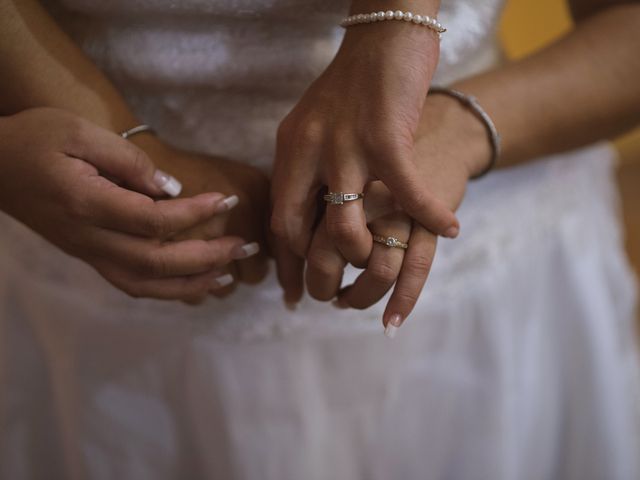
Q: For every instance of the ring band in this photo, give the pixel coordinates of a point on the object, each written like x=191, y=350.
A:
x=392, y=242
x=338, y=198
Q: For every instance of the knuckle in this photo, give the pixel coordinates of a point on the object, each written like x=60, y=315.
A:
x=303, y=132
x=284, y=131
x=343, y=230
x=418, y=266
x=404, y=300
x=383, y=273
x=154, y=265
x=76, y=130
x=139, y=163
x=322, y=262
x=154, y=223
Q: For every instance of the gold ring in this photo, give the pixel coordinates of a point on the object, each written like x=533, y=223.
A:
x=392, y=242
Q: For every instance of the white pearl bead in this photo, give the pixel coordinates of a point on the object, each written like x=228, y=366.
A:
x=389, y=15
x=373, y=17
x=398, y=15
x=408, y=16
x=380, y=16
x=417, y=19
x=359, y=17
x=438, y=25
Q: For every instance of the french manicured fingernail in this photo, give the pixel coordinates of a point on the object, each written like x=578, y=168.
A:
x=246, y=250
x=392, y=326
x=230, y=202
x=167, y=183
x=223, y=281
x=452, y=232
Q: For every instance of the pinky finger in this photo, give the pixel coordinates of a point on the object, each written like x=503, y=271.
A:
x=190, y=288
x=290, y=272
x=415, y=270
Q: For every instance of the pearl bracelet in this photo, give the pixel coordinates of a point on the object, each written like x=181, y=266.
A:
x=424, y=20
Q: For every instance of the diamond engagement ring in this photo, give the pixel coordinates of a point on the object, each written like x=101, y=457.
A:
x=338, y=198
x=390, y=242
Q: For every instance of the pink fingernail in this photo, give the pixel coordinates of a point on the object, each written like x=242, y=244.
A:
x=167, y=183
x=392, y=326
x=452, y=232
x=245, y=251
x=230, y=202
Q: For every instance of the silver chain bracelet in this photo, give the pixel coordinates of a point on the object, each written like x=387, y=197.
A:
x=472, y=104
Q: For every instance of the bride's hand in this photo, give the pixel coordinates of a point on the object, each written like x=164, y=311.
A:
x=356, y=123
x=53, y=178
x=451, y=146
x=247, y=196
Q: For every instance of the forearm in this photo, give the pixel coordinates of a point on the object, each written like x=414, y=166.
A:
x=43, y=67
x=578, y=90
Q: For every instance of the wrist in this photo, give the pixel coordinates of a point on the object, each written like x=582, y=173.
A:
x=395, y=37
x=466, y=135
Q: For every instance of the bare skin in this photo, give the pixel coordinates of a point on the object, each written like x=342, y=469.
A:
x=59, y=75
x=585, y=90
x=593, y=68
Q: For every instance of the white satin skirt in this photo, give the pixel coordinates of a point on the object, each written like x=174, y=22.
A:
x=519, y=362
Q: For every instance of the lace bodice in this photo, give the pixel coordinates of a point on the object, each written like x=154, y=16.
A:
x=218, y=76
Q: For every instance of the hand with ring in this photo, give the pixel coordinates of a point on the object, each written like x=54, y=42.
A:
x=451, y=147
x=393, y=260
x=357, y=123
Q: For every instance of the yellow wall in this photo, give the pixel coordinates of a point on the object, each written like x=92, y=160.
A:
x=530, y=24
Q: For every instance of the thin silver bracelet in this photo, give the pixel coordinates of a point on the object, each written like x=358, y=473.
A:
x=137, y=129
x=471, y=102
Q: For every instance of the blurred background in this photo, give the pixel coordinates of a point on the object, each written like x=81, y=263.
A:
x=529, y=25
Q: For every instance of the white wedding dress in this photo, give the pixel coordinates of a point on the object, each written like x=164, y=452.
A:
x=518, y=362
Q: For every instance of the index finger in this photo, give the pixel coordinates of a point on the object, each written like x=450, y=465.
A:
x=115, y=208
x=418, y=201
